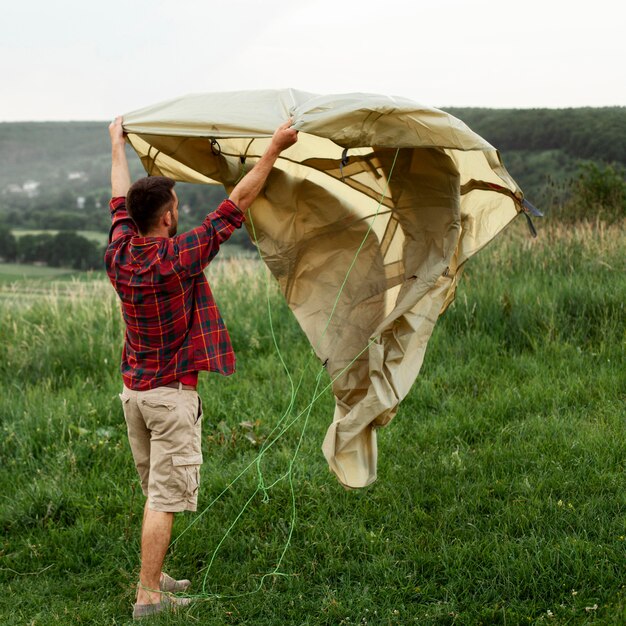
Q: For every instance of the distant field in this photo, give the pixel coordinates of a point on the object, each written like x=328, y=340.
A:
x=94, y=235
x=11, y=272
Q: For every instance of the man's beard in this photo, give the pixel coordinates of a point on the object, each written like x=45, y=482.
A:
x=172, y=229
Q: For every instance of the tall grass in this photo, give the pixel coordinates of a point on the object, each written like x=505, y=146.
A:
x=500, y=497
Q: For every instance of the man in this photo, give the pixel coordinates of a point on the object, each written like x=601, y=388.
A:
x=173, y=331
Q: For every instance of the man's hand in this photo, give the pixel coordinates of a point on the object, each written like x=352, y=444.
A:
x=120, y=176
x=116, y=131
x=284, y=136
x=250, y=185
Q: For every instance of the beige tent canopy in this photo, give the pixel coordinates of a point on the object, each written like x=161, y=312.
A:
x=432, y=192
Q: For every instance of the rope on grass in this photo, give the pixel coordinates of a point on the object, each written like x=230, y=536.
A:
x=280, y=427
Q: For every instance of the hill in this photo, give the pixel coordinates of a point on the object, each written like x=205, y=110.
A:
x=544, y=148
x=597, y=134
x=61, y=169
x=56, y=175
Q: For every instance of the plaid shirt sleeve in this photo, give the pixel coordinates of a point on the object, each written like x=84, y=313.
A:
x=197, y=247
x=121, y=223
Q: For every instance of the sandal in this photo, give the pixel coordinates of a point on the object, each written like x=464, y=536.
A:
x=167, y=583
x=167, y=603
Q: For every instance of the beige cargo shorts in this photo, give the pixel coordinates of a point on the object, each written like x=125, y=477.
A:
x=164, y=431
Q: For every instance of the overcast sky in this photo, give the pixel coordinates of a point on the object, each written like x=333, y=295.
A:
x=82, y=60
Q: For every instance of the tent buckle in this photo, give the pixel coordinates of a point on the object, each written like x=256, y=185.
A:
x=344, y=161
x=216, y=149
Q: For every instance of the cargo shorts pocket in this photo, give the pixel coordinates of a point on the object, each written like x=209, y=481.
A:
x=199, y=414
x=185, y=474
x=158, y=404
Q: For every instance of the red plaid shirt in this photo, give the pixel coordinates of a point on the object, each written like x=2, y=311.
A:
x=173, y=326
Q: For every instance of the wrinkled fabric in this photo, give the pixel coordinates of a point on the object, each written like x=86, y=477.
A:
x=430, y=191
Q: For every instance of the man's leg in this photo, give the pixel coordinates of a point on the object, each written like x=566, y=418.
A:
x=172, y=417
x=155, y=538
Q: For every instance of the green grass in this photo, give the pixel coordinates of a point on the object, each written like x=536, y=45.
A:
x=19, y=272
x=501, y=490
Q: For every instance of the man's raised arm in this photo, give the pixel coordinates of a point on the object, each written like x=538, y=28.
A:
x=250, y=185
x=120, y=175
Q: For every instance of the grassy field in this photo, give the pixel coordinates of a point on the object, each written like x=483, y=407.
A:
x=16, y=273
x=501, y=496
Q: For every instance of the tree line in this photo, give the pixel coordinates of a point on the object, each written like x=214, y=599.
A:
x=598, y=134
x=599, y=192
x=569, y=162
x=63, y=249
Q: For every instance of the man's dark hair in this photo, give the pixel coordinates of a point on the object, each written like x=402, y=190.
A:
x=148, y=199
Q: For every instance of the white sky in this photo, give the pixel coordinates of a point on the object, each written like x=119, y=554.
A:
x=80, y=59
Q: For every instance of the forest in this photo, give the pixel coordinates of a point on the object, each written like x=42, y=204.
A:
x=54, y=176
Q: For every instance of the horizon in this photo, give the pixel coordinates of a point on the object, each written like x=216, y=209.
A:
x=446, y=108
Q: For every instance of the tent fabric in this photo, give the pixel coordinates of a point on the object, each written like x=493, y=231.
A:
x=432, y=192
